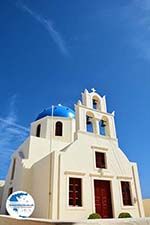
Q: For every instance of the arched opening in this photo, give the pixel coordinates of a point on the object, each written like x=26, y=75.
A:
x=38, y=130
x=96, y=102
x=89, y=125
x=104, y=127
x=89, y=122
x=58, y=129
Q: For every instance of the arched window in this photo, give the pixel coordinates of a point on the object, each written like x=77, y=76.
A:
x=58, y=129
x=104, y=127
x=96, y=102
x=38, y=130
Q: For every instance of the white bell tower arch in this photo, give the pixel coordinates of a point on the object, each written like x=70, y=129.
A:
x=93, y=110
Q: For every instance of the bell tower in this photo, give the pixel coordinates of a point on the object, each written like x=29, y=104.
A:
x=94, y=101
x=92, y=115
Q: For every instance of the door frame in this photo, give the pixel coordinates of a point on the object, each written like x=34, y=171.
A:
x=111, y=192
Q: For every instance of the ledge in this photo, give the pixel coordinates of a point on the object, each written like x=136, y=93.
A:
x=74, y=173
x=7, y=220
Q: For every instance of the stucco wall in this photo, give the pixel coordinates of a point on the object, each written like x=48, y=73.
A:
x=146, y=203
x=78, y=161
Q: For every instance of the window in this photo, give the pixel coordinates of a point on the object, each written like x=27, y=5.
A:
x=75, y=195
x=89, y=124
x=58, y=129
x=13, y=169
x=38, y=130
x=126, y=195
x=100, y=160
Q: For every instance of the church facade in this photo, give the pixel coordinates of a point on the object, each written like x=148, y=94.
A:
x=72, y=165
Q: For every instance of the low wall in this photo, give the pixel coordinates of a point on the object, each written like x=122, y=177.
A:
x=146, y=204
x=1, y=190
x=6, y=220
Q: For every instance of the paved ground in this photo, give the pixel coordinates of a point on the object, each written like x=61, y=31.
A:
x=5, y=220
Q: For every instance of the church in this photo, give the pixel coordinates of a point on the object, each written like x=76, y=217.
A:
x=72, y=164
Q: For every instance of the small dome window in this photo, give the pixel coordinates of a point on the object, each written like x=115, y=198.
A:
x=59, y=129
x=38, y=131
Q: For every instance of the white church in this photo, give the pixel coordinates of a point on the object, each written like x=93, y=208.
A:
x=72, y=165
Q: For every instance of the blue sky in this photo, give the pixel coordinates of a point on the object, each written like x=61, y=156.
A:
x=50, y=51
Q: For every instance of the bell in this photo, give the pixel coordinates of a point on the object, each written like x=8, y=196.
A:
x=88, y=120
x=103, y=123
x=94, y=102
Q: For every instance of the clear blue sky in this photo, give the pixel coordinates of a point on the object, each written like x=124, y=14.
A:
x=51, y=50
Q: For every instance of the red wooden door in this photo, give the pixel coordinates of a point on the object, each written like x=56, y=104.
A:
x=103, y=204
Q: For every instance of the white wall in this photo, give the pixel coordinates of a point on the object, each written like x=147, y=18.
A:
x=78, y=161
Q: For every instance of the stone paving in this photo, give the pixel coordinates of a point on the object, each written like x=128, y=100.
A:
x=6, y=220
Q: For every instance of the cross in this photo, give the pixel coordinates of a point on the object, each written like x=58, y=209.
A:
x=93, y=89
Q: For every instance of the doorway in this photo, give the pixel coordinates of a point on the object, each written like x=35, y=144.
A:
x=103, y=204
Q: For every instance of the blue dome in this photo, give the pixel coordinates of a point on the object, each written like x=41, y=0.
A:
x=59, y=110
